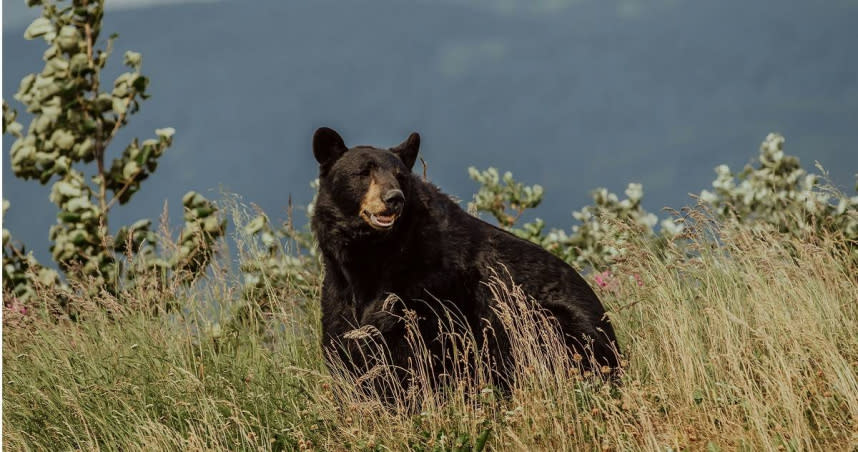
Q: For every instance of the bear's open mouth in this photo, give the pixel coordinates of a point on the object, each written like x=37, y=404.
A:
x=380, y=221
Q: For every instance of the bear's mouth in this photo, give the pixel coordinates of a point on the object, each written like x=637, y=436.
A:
x=380, y=220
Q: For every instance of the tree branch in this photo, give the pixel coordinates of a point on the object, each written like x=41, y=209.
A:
x=125, y=187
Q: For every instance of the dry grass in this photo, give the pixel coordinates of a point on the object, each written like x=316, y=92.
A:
x=741, y=339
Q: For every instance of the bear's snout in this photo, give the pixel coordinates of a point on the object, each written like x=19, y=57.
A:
x=394, y=199
x=383, y=202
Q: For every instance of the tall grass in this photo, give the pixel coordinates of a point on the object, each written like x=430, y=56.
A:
x=742, y=338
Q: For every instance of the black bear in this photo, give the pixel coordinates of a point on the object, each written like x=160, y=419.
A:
x=382, y=230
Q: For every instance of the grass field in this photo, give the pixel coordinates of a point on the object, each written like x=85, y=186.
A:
x=751, y=344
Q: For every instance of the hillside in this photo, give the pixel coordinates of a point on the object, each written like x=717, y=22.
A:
x=749, y=346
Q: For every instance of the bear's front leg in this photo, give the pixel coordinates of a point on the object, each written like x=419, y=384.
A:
x=338, y=318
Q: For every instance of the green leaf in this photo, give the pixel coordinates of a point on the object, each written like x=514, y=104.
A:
x=141, y=225
x=118, y=105
x=15, y=129
x=63, y=139
x=78, y=63
x=144, y=156
x=165, y=133
x=68, y=217
x=140, y=83
x=21, y=152
x=69, y=38
x=481, y=440
x=39, y=27
x=66, y=189
x=61, y=164
x=25, y=85
x=119, y=241
x=51, y=52
x=124, y=79
x=89, y=125
x=130, y=170
x=80, y=238
x=212, y=225
x=58, y=66
x=84, y=150
x=121, y=90
x=76, y=204
x=51, y=112
x=46, y=87
x=192, y=198
x=103, y=102
x=132, y=59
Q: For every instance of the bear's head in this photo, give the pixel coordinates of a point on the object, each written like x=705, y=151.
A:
x=365, y=182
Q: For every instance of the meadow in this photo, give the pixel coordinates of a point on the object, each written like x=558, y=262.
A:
x=734, y=337
x=737, y=319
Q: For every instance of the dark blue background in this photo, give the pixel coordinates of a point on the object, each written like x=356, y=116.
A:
x=570, y=95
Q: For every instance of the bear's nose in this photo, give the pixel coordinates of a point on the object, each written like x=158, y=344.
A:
x=394, y=199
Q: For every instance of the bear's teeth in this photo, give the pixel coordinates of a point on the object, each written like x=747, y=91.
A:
x=384, y=221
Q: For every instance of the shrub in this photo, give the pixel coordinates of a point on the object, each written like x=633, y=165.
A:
x=776, y=192
x=586, y=245
x=74, y=123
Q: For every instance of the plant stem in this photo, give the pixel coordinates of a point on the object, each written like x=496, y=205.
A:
x=122, y=190
x=100, y=143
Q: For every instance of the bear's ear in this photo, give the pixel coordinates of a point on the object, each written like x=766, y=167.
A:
x=328, y=146
x=407, y=151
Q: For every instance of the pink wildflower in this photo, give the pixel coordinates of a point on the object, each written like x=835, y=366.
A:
x=16, y=306
x=602, y=278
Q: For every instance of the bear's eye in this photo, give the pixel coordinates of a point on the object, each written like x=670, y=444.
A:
x=366, y=170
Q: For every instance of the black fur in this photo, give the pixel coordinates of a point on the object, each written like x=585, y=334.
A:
x=434, y=251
